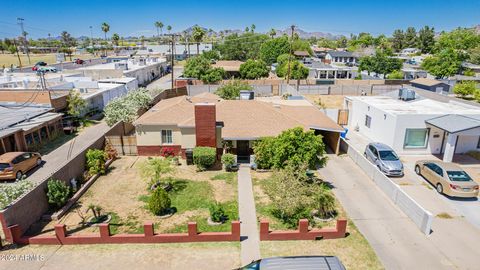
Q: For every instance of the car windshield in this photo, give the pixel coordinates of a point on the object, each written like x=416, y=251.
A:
x=4, y=166
x=388, y=155
x=458, y=176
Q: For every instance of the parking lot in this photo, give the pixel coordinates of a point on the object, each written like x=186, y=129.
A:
x=424, y=193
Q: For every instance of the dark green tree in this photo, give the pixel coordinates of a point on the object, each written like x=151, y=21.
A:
x=443, y=64
x=254, y=69
x=398, y=40
x=426, y=39
x=271, y=49
x=410, y=38
x=213, y=75
x=196, y=67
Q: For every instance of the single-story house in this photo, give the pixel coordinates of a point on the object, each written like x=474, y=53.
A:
x=24, y=127
x=418, y=126
x=185, y=122
x=408, y=51
x=301, y=54
x=323, y=71
x=340, y=57
x=430, y=85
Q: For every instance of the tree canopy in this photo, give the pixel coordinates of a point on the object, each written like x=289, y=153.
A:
x=254, y=69
x=271, y=49
x=241, y=47
x=231, y=90
x=213, y=75
x=196, y=67
x=443, y=64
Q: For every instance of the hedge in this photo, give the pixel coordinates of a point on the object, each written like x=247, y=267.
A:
x=204, y=157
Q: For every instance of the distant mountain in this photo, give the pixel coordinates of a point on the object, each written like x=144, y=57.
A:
x=477, y=28
x=304, y=34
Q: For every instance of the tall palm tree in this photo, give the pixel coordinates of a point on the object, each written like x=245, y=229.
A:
x=198, y=34
x=272, y=33
x=169, y=28
x=159, y=26
x=253, y=28
x=105, y=29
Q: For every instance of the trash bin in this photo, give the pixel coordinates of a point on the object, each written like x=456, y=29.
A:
x=189, y=156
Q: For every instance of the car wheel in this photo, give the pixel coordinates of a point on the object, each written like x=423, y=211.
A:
x=417, y=170
x=19, y=175
x=39, y=162
x=439, y=188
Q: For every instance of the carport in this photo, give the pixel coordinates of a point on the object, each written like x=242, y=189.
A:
x=458, y=131
x=331, y=137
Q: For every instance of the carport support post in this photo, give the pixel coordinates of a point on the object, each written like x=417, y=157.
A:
x=450, y=147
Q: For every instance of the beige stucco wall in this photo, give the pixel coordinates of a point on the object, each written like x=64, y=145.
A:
x=152, y=135
x=188, y=137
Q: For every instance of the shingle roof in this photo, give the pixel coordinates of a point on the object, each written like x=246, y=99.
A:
x=454, y=123
x=228, y=65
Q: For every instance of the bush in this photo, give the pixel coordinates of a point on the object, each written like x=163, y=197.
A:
x=231, y=90
x=213, y=75
x=228, y=160
x=57, y=193
x=217, y=213
x=264, y=150
x=153, y=169
x=11, y=191
x=325, y=203
x=204, y=157
x=465, y=88
x=159, y=202
x=96, y=159
x=167, y=152
x=254, y=69
x=395, y=75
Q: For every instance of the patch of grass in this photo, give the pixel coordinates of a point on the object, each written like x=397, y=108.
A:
x=133, y=225
x=444, y=215
x=115, y=222
x=229, y=177
x=191, y=195
x=143, y=198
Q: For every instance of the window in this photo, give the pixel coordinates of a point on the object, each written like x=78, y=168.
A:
x=435, y=168
x=368, y=121
x=167, y=137
x=416, y=138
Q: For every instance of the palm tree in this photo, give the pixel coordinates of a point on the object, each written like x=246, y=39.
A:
x=105, y=29
x=198, y=34
x=159, y=25
x=247, y=29
x=272, y=33
x=115, y=39
x=253, y=28
x=169, y=28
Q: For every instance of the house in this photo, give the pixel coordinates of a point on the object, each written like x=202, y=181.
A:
x=183, y=123
x=431, y=85
x=22, y=127
x=231, y=67
x=340, y=57
x=301, y=54
x=409, y=51
x=323, y=71
x=320, y=52
x=416, y=125
x=181, y=51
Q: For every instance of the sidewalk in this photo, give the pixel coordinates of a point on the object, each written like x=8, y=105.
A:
x=396, y=240
x=250, y=245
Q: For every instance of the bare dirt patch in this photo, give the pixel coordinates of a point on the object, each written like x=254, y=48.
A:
x=330, y=101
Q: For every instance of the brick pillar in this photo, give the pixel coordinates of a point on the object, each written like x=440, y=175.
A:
x=236, y=230
x=60, y=232
x=303, y=225
x=205, y=124
x=14, y=234
x=148, y=229
x=192, y=229
x=264, y=230
x=341, y=227
x=104, y=230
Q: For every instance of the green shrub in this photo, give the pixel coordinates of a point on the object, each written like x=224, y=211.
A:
x=57, y=193
x=204, y=157
x=228, y=160
x=325, y=202
x=96, y=159
x=217, y=213
x=231, y=90
x=159, y=202
x=465, y=88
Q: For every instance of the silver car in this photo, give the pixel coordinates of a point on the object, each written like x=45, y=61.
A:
x=384, y=158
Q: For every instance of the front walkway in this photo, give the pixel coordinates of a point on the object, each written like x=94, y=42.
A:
x=250, y=245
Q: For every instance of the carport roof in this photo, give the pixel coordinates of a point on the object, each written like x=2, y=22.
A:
x=454, y=123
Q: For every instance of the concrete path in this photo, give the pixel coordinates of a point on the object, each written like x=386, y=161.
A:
x=250, y=245
x=165, y=82
x=58, y=156
x=396, y=240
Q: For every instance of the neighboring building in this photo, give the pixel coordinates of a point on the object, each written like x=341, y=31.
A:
x=418, y=126
x=23, y=128
x=181, y=51
x=301, y=54
x=409, y=51
x=323, y=71
x=232, y=67
x=412, y=73
x=206, y=120
x=340, y=57
x=431, y=85
x=320, y=52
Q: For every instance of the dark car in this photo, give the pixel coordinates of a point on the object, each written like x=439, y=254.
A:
x=79, y=61
x=38, y=64
x=297, y=263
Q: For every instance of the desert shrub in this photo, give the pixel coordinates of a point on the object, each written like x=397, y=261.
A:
x=217, y=213
x=96, y=159
x=167, y=152
x=204, y=157
x=153, y=169
x=57, y=193
x=159, y=202
x=228, y=160
x=11, y=191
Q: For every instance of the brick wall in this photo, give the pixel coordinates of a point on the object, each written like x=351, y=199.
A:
x=156, y=150
x=105, y=237
x=303, y=233
x=205, y=125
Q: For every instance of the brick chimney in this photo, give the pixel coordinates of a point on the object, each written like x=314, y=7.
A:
x=205, y=124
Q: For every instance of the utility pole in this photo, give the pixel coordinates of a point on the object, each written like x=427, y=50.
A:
x=24, y=34
x=290, y=54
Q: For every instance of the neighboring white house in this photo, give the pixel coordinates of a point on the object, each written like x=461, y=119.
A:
x=408, y=51
x=340, y=57
x=418, y=126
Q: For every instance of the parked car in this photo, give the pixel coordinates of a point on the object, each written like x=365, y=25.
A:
x=13, y=165
x=47, y=69
x=297, y=263
x=38, y=64
x=382, y=156
x=448, y=178
x=78, y=61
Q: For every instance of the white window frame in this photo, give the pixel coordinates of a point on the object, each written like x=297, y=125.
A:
x=425, y=144
x=166, y=136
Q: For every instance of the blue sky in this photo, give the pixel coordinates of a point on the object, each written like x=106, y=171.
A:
x=137, y=17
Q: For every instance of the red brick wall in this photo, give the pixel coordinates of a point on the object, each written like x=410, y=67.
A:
x=105, y=237
x=205, y=125
x=155, y=150
x=303, y=233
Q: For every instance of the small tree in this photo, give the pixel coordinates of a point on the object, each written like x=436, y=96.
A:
x=96, y=159
x=154, y=168
x=231, y=90
x=126, y=108
x=76, y=104
x=204, y=157
x=213, y=75
x=465, y=88
x=395, y=75
x=264, y=150
x=252, y=70
x=57, y=193
x=159, y=203
x=217, y=213
x=196, y=67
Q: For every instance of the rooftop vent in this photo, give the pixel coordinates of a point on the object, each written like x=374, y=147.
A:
x=406, y=94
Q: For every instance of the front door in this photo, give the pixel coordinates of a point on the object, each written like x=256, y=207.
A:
x=243, y=152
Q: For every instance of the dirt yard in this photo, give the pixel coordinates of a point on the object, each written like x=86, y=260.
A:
x=329, y=101
x=123, y=194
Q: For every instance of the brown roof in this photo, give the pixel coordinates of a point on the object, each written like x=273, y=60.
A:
x=425, y=81
x=301, y=53
x=228, y=65
x=247, y=119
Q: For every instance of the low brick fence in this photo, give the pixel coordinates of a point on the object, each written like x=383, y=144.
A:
x=303, y=233
x=105, y=237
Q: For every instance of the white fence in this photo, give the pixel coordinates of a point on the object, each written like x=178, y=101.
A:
x=419, y=215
